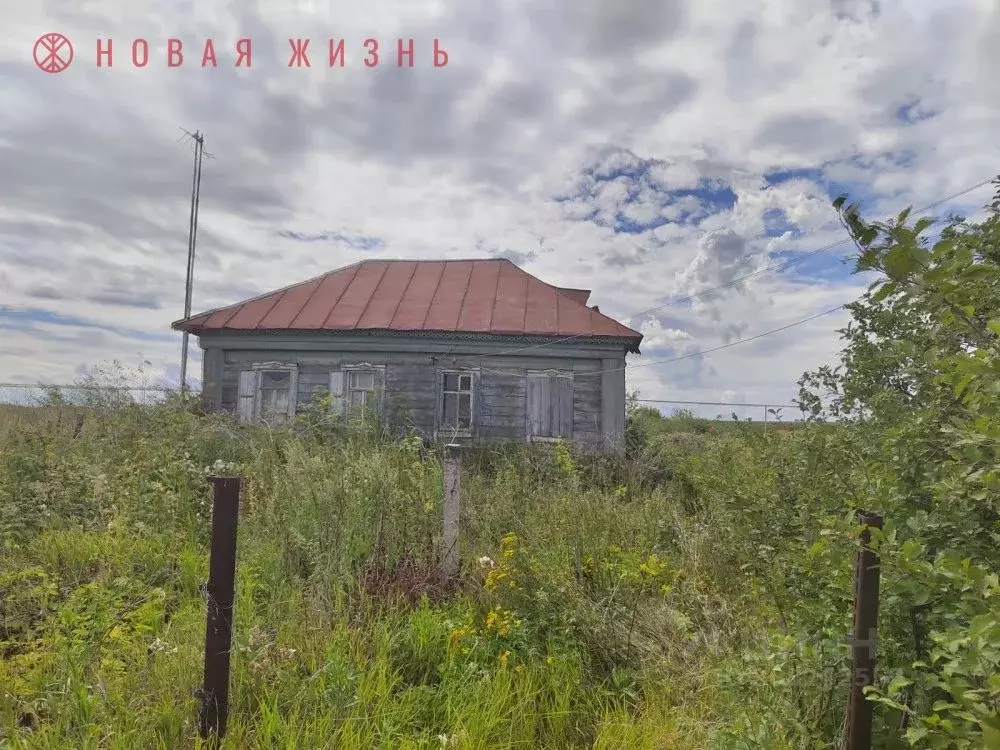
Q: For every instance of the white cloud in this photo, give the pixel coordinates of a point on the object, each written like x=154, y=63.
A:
x=618, y=107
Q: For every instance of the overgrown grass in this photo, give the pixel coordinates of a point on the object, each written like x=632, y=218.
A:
x=603, y=602
x=14, y=418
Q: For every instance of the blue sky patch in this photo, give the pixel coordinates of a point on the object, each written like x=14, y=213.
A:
x=855, y=191
x=776, y=224
x=645, y=192
x=354, y=242
x=814, y=174
x=25, y=319
x=914, y=111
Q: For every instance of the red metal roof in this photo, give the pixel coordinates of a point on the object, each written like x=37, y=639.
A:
x=455, y=296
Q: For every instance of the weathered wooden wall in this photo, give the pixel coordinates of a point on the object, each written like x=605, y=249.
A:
x=412, y=385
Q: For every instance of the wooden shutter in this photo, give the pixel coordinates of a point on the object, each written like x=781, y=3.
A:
x=247, y=395
x=293, y=396
x=379, y=379
x=549, y=405
x=539, y=414
x=562, y=406
x=337, y=393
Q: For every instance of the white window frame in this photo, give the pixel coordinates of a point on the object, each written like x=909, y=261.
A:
x=550, y=376
x=258, y=369
x=378, y=385
x=446, y=430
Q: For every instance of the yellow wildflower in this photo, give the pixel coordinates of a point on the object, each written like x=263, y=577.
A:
x=455, y=642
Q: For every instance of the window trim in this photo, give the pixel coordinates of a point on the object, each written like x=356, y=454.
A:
x=258, y=369
x=378, y=386
x=440, y=428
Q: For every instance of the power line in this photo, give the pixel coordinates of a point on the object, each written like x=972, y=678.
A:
x=740, y=279
x=583, y=373
x=738, y=341
x=705, y=403
x=654, y=363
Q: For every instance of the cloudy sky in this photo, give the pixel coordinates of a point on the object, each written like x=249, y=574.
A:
x=646, y=150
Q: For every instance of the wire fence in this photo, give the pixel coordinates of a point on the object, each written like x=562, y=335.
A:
x=98, y=395
x=95, y=394
x=726, y=410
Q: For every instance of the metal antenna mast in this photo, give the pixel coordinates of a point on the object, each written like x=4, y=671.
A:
x=199, y=152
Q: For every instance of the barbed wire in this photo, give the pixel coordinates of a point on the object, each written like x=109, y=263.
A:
x=94, y=387
x=81, y=394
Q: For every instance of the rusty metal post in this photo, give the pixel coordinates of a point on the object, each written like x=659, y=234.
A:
x=449, y=536
x=219, y=594
x=866, y=584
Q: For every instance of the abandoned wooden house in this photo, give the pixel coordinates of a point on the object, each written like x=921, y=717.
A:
x=456, y=350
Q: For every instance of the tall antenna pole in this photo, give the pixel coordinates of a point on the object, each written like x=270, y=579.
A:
x=199, y=149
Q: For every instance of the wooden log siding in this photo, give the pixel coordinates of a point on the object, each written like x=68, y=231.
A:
x=411, y=388
x=587, y=388
x=411, y=395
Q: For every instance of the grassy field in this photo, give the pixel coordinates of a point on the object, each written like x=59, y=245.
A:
x=694, y=594
x=14, y=419
x=597, y=608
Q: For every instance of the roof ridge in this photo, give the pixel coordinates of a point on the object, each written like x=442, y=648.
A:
x=517, y=311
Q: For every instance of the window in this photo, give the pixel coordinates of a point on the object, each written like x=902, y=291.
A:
x=456, y=401
x=267, y=393
x=360, y=389
x=550, y=405
x=275, y=391
x=356, y=390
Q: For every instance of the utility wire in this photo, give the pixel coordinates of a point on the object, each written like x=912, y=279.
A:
x=706, y=403
x=737, y=342
x=657, y=362
x=681, y=300
x=766, y=269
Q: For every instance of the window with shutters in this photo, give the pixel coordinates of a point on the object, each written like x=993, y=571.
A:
x=361, y=386
x=267, y=393
x=276, y=397
x=456, y=401
x=549, y=408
